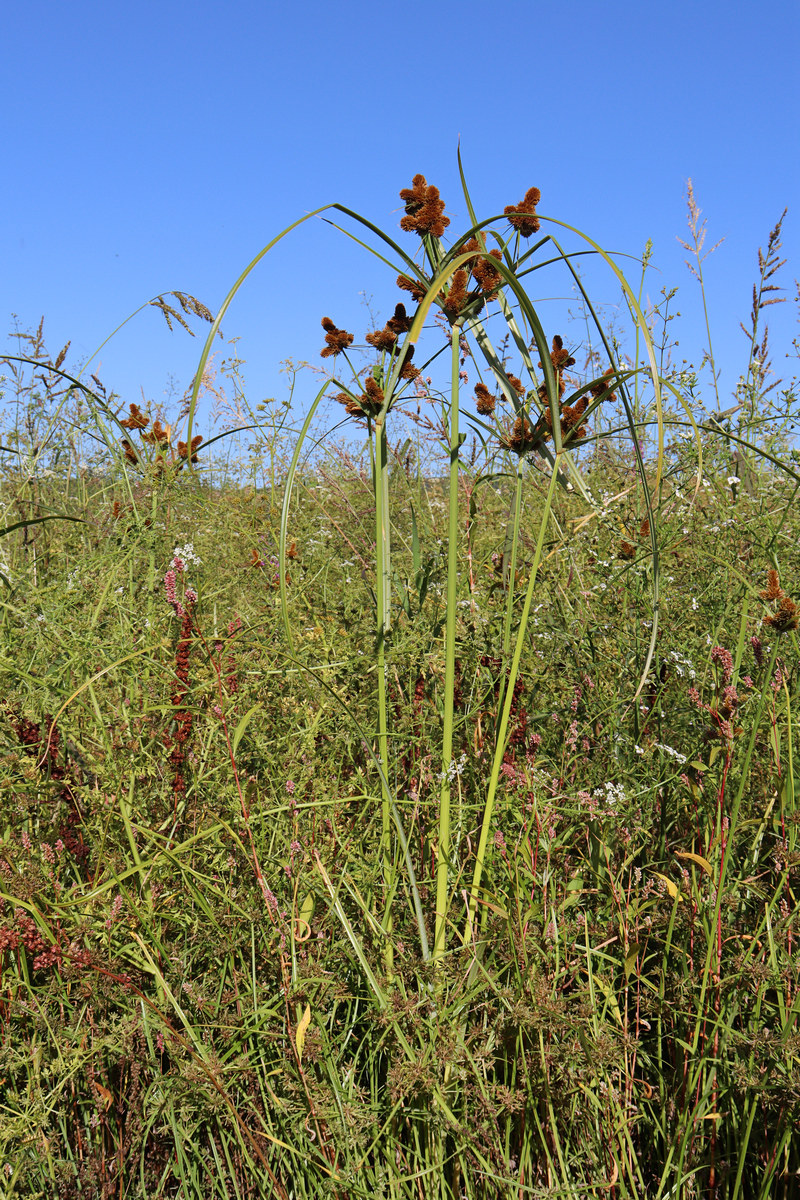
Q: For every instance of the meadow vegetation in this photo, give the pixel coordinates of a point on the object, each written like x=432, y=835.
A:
x=405, y=807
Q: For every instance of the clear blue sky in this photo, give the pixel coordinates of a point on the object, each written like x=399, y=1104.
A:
x=157, y=146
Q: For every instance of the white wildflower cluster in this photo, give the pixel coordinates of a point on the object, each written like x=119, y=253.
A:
x=186, y=555
x=683, y=666
x=454, y=769
x=671, y=751
x=610, y=793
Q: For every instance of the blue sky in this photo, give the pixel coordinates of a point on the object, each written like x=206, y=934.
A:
x=158, y=146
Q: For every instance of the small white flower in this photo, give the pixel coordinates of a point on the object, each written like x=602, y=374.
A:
x=733, y=480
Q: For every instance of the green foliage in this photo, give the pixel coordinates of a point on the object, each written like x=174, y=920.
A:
x=416, y=819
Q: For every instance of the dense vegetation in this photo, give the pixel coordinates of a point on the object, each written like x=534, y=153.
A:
x=411, y=815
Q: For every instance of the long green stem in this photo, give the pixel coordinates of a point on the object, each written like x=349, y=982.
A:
x=500, y=741
x=382, y=626
x=443, y=847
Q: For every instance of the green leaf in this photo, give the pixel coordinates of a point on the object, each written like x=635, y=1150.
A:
x=240, y=728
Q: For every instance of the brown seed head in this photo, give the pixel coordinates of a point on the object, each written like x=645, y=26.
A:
x=136, y=420
x=382, y=339
x=413, y=286
x=336, y=340
x=424, y=209
x=786, y=618
x=400, y=322
x=522, y=217
x=773, y=589
x=485, y=400
x=601, y=385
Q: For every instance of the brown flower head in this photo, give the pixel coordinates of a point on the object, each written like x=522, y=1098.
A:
x=457, y=297
x=183, y=449
x=517, y=384
x=773, y=589
x=407, y=371
x=601, y=385
x=382, y=339
x=424, y=209
x=336, y=340
x=373, y=397
x=786, y=618
x=486, y=401
x=523, y=437
x=484, y=272
x=400, y=322
x=130, y=453
x=158, y=435
x=626, y=551
x=136, y=420
x=413, y=286
x=571, y=416
x=352, y=407
x=559, y=357
x=522, y=217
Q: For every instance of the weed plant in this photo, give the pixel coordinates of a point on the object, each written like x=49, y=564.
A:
x=413, y=816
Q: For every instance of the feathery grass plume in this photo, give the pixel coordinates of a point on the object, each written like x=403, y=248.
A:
x=336, y=340
x=424, y=209
x=189, y=304
x=522, y=216
x=486, y=402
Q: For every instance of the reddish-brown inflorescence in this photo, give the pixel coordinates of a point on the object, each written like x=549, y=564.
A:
x=158, y=435
x=785, y=618
x=486, y=402
x=424, y=209
x=336, y=340
x=522, y=216
x=413, y=286
x=183, y=449
x=136, y=420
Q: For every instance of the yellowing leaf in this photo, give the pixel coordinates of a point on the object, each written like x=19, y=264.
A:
x=302, y=1029
x=608, y=992
x=697, y=858
x=671, y=887
x=630, y=958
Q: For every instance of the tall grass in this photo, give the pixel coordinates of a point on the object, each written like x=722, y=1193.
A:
x=418, y=820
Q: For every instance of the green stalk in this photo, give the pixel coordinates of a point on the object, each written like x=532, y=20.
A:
x=443, y=843
x=510, y=570
x=500, y=742
x=732, y=829
x=382, y=626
